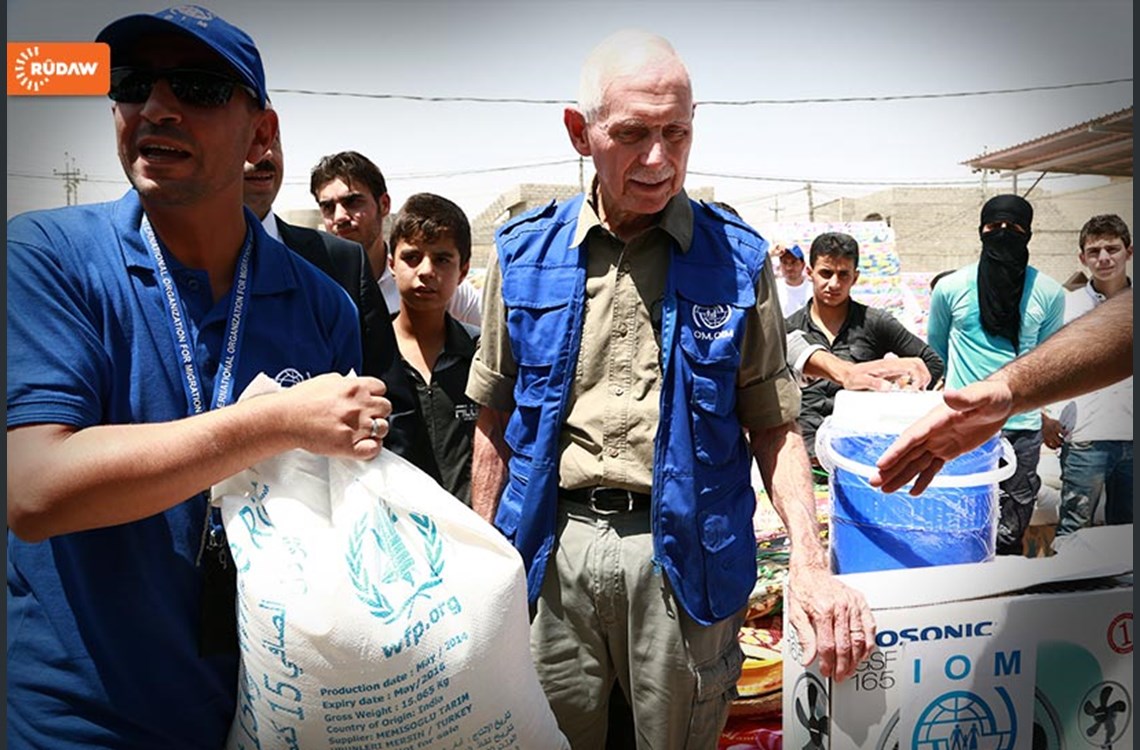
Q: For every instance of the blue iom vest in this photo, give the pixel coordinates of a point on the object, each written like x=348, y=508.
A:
x=703, y=501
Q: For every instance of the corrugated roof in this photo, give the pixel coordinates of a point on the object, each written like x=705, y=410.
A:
x=1102, y=146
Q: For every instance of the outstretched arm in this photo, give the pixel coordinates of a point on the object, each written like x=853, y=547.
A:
x=808, y=361
x=1091, y=352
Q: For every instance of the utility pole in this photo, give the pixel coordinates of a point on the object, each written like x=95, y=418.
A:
x=811, y=204
x=776, y=210
x=985, y=173
x=71, y=179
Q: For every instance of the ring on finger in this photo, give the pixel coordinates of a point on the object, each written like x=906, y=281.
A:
x=374, y=432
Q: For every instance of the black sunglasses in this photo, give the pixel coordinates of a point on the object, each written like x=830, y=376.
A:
x=198, y=88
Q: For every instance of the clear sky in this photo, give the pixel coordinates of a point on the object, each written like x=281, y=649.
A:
x=771, y=50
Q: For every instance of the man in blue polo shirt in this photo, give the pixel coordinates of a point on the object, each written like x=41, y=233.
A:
x=132, y=328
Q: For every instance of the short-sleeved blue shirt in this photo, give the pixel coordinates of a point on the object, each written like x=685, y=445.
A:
x=103, y=624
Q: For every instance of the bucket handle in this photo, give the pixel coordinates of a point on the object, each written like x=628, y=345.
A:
x=831, y=460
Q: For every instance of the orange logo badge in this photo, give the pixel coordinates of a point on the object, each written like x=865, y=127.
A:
x=58, y=69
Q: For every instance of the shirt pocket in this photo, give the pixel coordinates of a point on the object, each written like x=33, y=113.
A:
x=539, y=316
x=709, y=342
x=729, y=547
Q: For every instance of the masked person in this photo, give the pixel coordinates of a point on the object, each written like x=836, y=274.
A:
x=983, y=316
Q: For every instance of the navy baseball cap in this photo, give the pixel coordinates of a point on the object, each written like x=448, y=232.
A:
x=795, y=251
x=228, y=41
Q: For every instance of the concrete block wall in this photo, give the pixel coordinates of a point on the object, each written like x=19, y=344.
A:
x=936, y=229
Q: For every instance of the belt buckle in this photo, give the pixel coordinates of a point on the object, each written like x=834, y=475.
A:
x=609, y=511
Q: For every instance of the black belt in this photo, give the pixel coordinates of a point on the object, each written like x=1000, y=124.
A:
x=607, y=500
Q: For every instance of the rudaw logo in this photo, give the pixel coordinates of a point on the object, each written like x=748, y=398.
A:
x=58, y=68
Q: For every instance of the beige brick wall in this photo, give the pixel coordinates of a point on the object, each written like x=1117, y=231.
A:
x=936, y=229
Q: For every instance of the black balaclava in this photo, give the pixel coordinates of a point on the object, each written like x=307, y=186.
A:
x=1001, y=270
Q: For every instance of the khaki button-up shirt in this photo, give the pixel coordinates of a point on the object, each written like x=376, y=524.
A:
x=611, y=422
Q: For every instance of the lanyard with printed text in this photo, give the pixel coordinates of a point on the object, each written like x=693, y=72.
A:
x=218, y=624
x=183, y=346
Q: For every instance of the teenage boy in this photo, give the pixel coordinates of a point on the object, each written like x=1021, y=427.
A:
x=792, y=286
x=849, y=330
x=1096, y=443
x=353, y=198
x=430, y=257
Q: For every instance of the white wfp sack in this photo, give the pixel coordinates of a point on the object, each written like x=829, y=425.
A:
x=376, y=611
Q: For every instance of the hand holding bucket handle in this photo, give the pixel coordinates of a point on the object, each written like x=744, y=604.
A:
x=830, y=460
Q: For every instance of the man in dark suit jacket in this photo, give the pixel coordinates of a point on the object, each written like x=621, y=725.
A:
x=346, y=263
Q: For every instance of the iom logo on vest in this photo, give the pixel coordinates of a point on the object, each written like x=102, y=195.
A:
x=710, y=321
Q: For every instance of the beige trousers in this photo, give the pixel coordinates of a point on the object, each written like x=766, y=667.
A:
x=607, y=612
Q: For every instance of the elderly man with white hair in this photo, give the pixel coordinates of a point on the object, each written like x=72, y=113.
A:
x=631, y=368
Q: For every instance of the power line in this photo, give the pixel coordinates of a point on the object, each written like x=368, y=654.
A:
x=488, y=170
x=27, y=176
x=759, y=198
x=852, y=183
x=423, y=98
x=906, y=97
x=304, y=180
x=460, y=172
x=98, y=180
x=706, y=102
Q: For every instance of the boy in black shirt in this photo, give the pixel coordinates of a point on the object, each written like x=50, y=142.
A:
x=430, y=256
x=845, y=328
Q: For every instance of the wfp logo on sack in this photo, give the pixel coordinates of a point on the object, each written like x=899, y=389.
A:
x=387, y=577
x=59, y=69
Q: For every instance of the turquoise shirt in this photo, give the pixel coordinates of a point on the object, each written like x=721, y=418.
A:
x=955, y=331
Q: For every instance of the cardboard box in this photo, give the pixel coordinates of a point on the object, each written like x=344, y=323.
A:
x=1013, y=654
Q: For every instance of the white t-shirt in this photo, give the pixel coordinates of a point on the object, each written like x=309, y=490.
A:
x=1105, y=414
x=269, y=224
x=792, y=298
x=388, y=290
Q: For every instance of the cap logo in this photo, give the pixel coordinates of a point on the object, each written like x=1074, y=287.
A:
x=195, y=12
